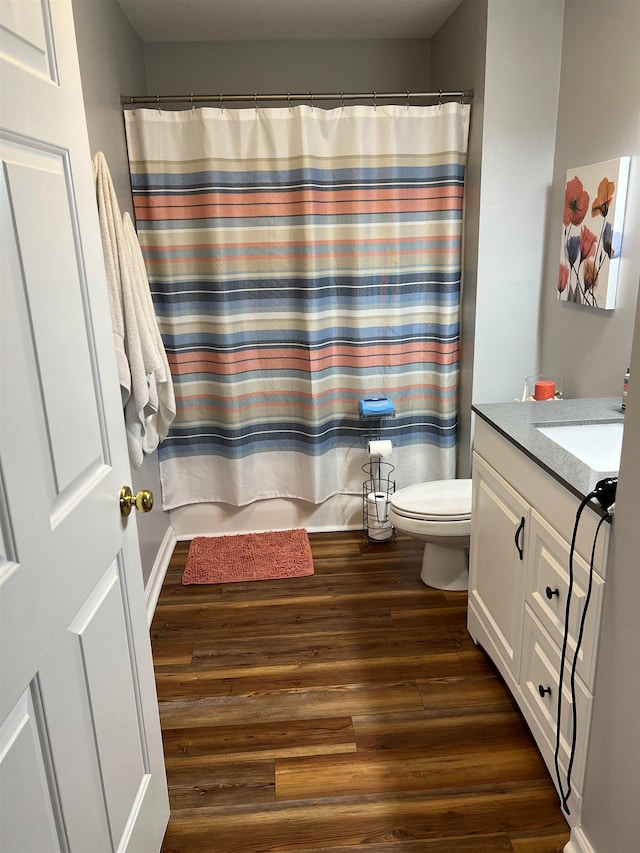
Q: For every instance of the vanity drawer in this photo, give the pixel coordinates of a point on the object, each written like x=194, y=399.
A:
x=547, y=585
x=539, y=669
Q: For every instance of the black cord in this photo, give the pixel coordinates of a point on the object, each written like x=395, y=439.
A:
x=563, y=655
x=583, y=620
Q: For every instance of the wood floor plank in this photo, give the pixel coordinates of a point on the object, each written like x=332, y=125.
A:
x=201, y=682
x=424, y=732
x=383, y=585
x=463, y=692
x=459, y=767
x=361, y=563
x=453, y=617
x=294, y=704
x=223, y=784
x=284, y=827
x=340, y=646
x=540, y=842
x=493, y=843
x=204, y=594
x=199, y=745
x=213, y=622
x=344, y=710
x=176, y=653
x=233, y=623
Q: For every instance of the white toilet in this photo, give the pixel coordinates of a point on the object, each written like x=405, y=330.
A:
x=439, y=514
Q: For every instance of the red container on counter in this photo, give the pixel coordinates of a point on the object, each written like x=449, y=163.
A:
x=545, y=389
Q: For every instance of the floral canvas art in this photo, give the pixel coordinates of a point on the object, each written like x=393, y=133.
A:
x=594, y=202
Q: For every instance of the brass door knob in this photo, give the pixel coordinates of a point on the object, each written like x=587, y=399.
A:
x=142, y=501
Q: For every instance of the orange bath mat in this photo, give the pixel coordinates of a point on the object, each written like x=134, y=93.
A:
x=248, y=557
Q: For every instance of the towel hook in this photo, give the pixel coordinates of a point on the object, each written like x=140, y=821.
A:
x=158, y=102
x=256, y=101
x=132, y=102
x=193, y=106
x=311, y=96
x=440, y=98
x=375, y=101
x=221, y=103
x=407, y=99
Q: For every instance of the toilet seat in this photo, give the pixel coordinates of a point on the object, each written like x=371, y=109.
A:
x=439, y=514
x=439, y=501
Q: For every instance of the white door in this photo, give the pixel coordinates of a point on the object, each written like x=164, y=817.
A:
x=81, y=764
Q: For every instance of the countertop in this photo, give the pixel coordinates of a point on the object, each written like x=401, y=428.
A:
x=517, y=422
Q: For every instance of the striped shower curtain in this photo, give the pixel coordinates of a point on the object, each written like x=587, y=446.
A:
x=301, y=259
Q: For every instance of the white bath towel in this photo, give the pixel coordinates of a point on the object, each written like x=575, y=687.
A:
x=109, y=219
x=147, y=418
x=161, y=394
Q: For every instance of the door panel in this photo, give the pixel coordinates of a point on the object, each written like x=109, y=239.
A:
x=26, y=37
x=82, y=750
x=70, y=419
x=101, y=626
x=27, y=786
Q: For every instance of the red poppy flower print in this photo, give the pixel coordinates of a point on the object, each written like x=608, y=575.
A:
x=576, y=202
x=563, y=277
x=587, y=243
x=590, y=247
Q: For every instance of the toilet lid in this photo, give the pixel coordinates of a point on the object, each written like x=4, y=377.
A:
x=439, y=499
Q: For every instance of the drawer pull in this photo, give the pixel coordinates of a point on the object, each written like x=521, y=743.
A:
x=543, y=690
x=517, y=538
x=551, y=592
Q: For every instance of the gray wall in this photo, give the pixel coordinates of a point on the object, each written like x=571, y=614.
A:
x=511, y=148
x=610, y=813
x=598, y=120
x=287, y=66
x=517, y=166
x=458, y=58
x=111, y=64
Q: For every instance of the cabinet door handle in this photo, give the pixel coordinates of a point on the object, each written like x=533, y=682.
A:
x=543, y=690
x=551, y=592
x=517, y=538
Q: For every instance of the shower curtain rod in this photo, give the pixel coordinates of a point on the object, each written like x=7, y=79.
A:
x=157, y=100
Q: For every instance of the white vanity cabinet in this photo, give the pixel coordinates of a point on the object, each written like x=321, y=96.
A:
x=496, y=560
x=522, y=525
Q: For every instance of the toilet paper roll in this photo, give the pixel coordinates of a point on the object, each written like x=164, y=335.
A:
x=380, y=449
x=380, y=534
x=378, y=510
x=379, y=528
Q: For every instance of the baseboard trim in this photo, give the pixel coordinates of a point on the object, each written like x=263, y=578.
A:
x=187, y=537
x=578, y=843
x=158, y=572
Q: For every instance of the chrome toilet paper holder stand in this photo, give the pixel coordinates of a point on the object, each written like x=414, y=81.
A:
x=376, y=498
x=379, y=484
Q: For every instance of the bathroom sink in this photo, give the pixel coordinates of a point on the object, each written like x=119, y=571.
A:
x=598, y=445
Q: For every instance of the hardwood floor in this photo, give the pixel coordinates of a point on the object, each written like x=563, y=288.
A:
x=345, y=710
